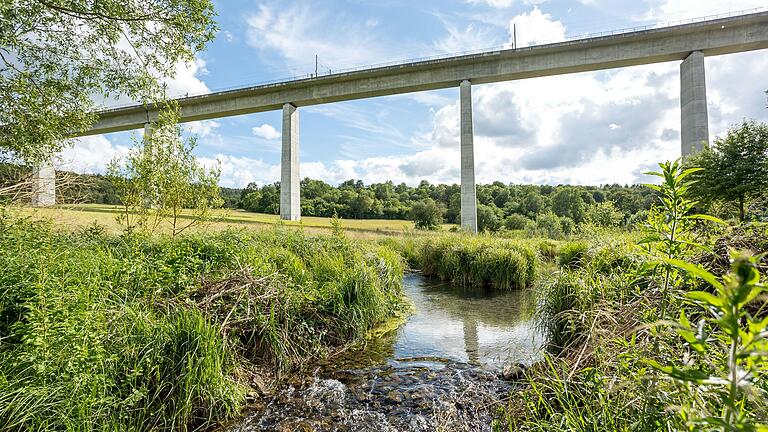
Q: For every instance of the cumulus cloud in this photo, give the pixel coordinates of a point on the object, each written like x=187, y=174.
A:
x=536, y=28
x=203, y=128
x=682, y=9
x=266, y=131
x=299, y=31
x=90, y=154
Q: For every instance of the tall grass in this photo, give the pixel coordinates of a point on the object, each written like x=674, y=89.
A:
x=472, y=260
x=102, y=332
x=619, y=362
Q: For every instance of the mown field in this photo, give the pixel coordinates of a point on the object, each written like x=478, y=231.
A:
x=78, y=215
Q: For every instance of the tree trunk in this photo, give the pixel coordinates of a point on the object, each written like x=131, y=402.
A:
x=741, y=208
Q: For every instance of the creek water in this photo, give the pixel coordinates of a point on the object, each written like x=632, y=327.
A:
x=440, y=369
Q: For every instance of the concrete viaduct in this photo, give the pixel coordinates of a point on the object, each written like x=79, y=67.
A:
x=688, y=43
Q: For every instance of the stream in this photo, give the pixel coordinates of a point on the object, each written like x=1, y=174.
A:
x=442, y=369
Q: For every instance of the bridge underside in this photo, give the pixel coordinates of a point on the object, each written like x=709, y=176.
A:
x=688, y=43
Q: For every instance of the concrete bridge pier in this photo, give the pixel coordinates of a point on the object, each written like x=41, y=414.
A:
x=694, y=129
x=290, y=204
x=44, y=185
x=468, y=191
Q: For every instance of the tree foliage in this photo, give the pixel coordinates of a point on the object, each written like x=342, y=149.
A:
x=426, y=214
x=161, y=177
x=734, y=168
x=59, y=57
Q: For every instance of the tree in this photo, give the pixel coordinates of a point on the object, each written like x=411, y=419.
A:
x=488, y=218
x=162, y=178
x=567, y=202
x=734, y=168
x=57, y=55
x=533, y=204
x=516, y=221
x=604, y=214
x=426, y=214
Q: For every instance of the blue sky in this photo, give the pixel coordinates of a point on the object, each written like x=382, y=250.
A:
x=588, y=128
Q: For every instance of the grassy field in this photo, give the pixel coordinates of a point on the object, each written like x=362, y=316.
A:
x=105, y=215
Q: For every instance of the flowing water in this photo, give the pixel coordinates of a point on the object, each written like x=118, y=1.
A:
x=441, y=369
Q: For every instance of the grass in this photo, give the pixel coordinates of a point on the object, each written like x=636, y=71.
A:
x=483, y=260
x=81, y=215
x=130, y=332
x=619, y=362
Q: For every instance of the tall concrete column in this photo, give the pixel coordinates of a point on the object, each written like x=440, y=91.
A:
x=147, y=130
x=44, y=185
x=290, y=204
x=468, y=191
x=693, y=104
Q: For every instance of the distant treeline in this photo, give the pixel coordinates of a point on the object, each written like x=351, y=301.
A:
x=353, y=199
x=72, y=188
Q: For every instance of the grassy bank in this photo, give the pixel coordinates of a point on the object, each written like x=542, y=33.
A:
x=82, y=215
x=482, y=261
x=511, y=261
x=640, y=343
x=105, y=332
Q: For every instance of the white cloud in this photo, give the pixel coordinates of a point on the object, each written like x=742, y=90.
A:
x=203, y=128
x=468, y=38
x=266, y=131
x=90, y=154
x=504, y=4
x=535, y=28
x=186, y=81
x=299, y=31
x=681, y=9
x=239, y=171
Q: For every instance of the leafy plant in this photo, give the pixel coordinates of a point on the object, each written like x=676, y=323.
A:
x=669, y=228
x=161, y=178
x=731, y=350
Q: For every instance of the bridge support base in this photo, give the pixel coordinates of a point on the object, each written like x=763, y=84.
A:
x=693, y=104
x=468, y=191
x=290, y=204
x=44, y=185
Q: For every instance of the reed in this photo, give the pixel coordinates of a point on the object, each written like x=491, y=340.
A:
x=104, y=332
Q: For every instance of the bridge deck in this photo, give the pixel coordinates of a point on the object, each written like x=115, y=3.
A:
x=714, y=37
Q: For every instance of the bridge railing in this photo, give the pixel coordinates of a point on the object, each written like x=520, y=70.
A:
x=575, y=38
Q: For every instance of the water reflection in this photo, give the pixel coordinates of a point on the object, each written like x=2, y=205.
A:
x=439, y=370
x=454, y=323
x=474, y=325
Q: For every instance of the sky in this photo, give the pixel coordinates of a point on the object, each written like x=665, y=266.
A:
x=588, y=128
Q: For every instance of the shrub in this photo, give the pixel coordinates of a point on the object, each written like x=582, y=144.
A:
x=488, y=218
x=604, y=214
x=515, y=222
x=573, y=254
x=426, y=215
x=546, y=225
x=478, y=261
x=148, y=333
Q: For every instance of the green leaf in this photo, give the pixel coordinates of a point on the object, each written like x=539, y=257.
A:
x=705, y=297
x=696, y=271
x=707, y=218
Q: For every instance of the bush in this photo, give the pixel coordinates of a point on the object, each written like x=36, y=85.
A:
x=516, y=222
x=604, y=214
x=426, y=215
x=573, y=254
x=148, y=333
x=546, y=225
x=488, y=218
x=477, y=261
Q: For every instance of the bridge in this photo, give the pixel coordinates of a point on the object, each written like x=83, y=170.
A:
x=688, y=43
